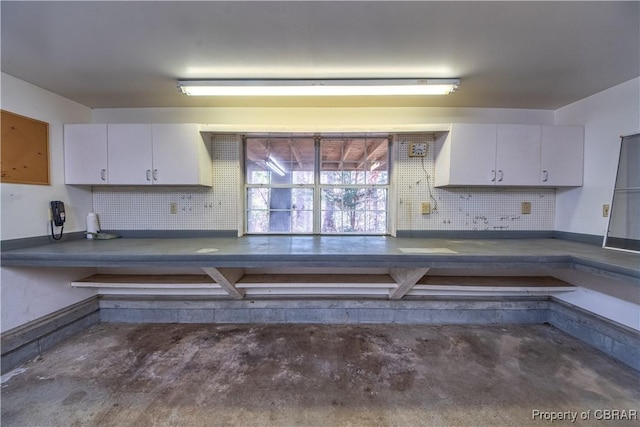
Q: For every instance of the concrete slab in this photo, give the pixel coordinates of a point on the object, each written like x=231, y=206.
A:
x=312, y=375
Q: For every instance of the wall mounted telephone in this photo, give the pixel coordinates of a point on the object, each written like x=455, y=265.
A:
x=57, y=212
x=58, y=217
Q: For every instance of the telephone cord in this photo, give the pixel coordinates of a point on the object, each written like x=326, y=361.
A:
x=53, y=234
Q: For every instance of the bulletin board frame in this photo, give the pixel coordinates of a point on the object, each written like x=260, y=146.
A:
x=24, y=150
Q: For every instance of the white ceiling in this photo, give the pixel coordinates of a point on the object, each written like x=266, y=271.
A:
x=507, y=54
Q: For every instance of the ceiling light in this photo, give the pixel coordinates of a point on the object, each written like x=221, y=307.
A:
x=274, y=166
x=330, y=87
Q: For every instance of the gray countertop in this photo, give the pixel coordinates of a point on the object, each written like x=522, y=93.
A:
x=330, y=251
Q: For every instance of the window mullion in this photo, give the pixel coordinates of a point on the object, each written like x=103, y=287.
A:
x=317, y=205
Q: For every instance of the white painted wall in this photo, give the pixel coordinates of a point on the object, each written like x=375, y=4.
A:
x=321, y=119
x=30, y=293
x=27, y=294
x=607, y=306
x=25, y=208
x=605, y=116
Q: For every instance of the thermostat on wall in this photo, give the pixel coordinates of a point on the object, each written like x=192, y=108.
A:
x=418, y=149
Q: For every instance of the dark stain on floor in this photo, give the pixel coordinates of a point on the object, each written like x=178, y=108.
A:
x=307, y=375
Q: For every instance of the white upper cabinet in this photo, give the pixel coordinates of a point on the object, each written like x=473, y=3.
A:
x=180, y=155
x=509, y=155
x=85, y=154
x=562, y=156
x=130, y=148
x=466, y=155
x=517, y=155
x=136, y=154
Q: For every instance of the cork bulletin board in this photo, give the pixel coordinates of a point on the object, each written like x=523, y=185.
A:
x=24, y=150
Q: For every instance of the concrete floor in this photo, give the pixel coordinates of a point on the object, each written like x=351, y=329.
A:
x=317, y=375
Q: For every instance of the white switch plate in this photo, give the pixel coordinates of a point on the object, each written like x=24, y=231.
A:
x=418, y=149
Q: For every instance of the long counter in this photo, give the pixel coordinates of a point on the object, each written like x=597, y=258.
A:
x=332, y=251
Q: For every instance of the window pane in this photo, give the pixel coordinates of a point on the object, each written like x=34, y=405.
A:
x=375, y=199
x=354, y=210
x=280, y=210
x=378, y=161
x=279, y=160
x=352, y=175
x=362, y=161
x=302, y=199
x=330, y=174
x=257, y=198
x=302, y=222
x=380, y=177
x=257, y=221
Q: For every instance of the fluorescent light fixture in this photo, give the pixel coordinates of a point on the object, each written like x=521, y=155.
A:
x=329, y=87
x=274, y=166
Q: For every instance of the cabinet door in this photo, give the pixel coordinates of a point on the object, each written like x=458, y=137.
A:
x=176, y=150
x=130, y=148
x=562, y=157
x=85, y=154
x=518, y=155
x=473, y=154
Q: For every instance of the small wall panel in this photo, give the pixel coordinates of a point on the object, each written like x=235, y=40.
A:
x=25, y=150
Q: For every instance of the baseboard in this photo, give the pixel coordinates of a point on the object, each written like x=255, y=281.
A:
x=409, y=311
x=579, y=237
x=30, y=340
x=479, y=234
x=618, y=341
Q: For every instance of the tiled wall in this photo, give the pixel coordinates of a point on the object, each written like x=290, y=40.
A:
x=217, y=208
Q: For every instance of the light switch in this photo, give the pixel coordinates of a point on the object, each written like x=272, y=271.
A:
x=425, y=208
x=525, y=209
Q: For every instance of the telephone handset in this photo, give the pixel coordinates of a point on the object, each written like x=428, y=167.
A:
x=58, y=217
x=57, y=211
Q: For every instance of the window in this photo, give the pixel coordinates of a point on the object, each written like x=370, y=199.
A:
x=317, y=185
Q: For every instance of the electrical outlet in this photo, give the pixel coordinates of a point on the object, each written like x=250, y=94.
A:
x=525, y=208
x=173, y=208
x=425, y=208
x=605, y=211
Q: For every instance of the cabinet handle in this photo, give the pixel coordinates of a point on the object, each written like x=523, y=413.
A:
x=493, y=171
x=501, y=175
x=155, y=174
x=103, y=174
x=148, y=174
x=545, y=175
